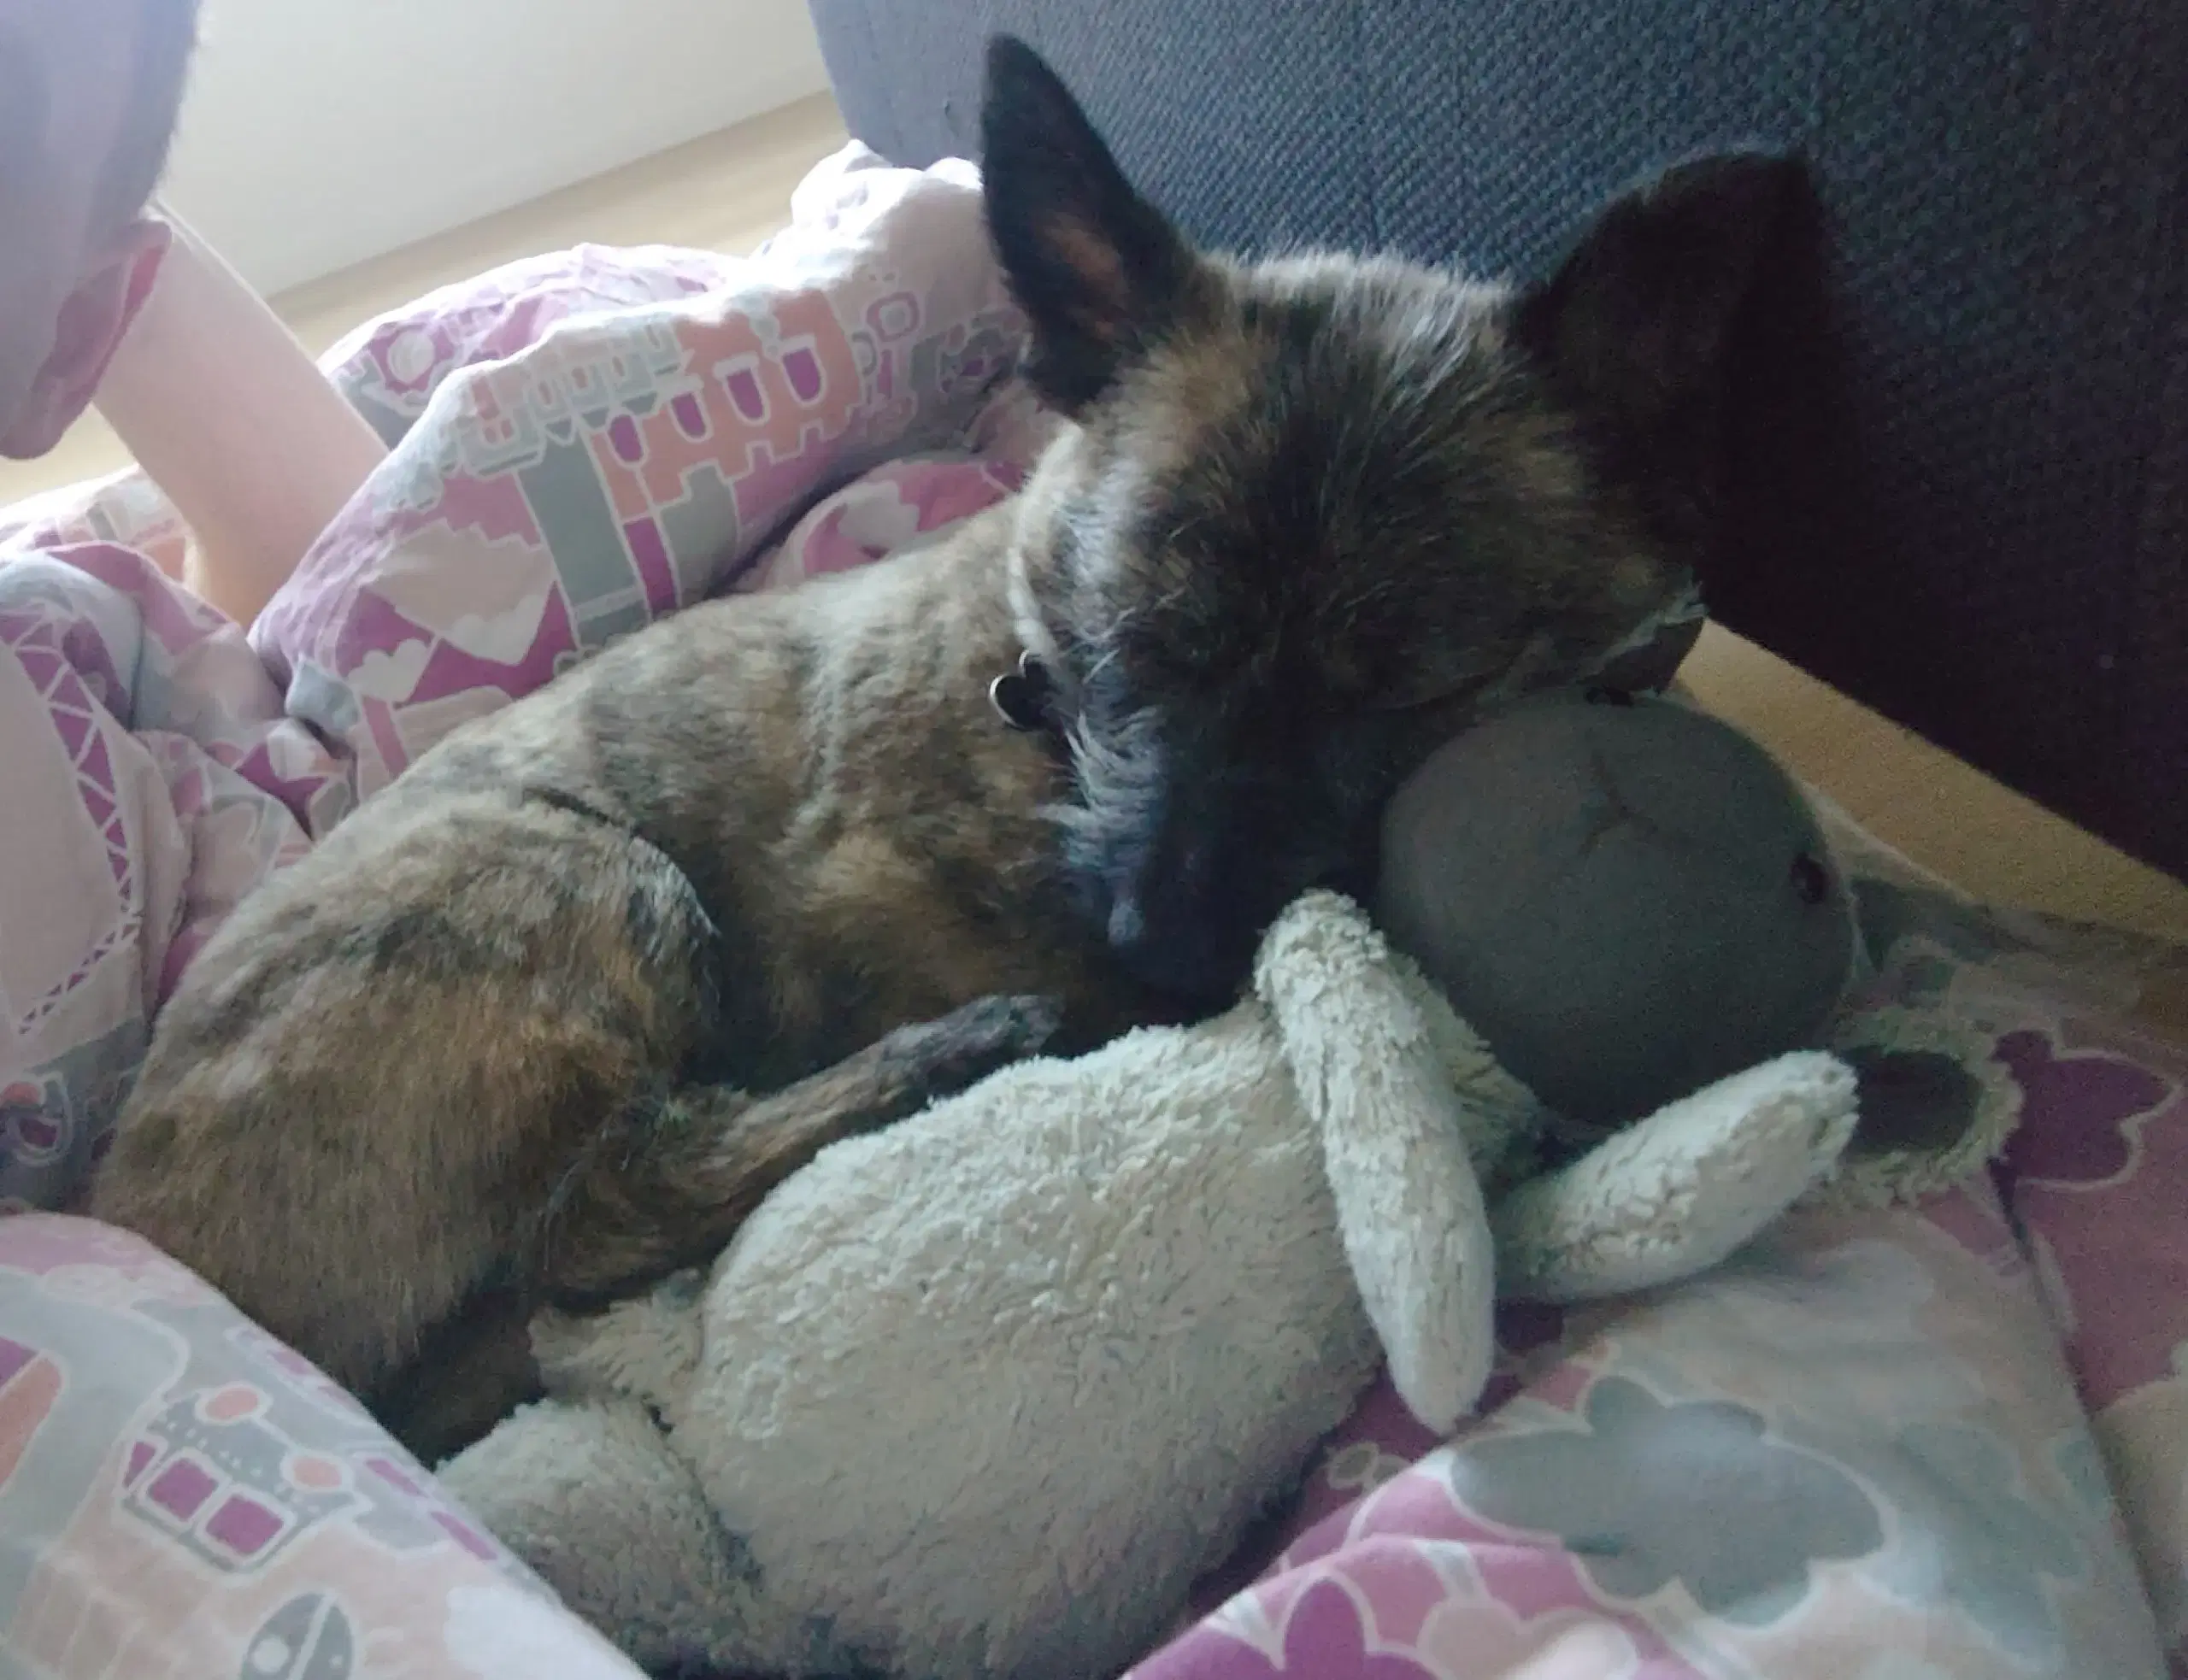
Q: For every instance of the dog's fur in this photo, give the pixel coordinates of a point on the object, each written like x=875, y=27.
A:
x=549, y=1015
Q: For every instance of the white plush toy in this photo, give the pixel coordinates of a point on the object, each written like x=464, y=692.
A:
x=984, y=1394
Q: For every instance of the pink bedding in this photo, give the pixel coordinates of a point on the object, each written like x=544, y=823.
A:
x=1887, y=1445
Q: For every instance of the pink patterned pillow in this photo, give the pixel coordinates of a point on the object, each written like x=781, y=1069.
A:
x=180, y=1495
x=605, y=467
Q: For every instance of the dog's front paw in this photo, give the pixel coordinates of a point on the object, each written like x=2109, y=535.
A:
x=939, y=1058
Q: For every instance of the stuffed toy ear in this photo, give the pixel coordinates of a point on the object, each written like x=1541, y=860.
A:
x=1410, y=1208
x=1098, y=271
x=1500, y=1119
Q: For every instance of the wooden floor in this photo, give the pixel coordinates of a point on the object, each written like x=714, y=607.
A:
x=732, y=190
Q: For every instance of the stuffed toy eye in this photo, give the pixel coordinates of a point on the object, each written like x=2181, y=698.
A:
x=1811, y=880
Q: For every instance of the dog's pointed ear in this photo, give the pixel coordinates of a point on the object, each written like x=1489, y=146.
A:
x=1099, y=271
x=1640, y=322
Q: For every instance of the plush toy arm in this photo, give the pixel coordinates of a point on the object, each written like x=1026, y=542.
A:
x=1410, y=1208
x=1680, y=1191
x=589, y=1495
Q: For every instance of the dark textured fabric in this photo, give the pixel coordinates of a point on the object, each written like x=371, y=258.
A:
x=2006, y=183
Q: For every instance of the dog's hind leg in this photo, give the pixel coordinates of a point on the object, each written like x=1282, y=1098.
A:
x=668, y=1188
x=471, y=1371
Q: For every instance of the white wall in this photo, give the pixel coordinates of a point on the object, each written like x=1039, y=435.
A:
x=322, y=132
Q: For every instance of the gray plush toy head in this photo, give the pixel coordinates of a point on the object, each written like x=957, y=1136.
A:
x=1626, y=898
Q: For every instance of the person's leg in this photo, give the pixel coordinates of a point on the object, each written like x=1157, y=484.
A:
x=230, y=417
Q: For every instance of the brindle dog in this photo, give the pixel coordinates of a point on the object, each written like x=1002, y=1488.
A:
x=548, y=1017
